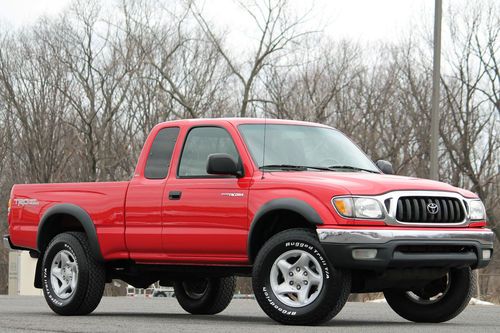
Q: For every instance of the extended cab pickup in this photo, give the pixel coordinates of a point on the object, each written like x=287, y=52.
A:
x=295, y=205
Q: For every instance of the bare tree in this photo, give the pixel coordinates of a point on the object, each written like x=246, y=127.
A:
x=79, y=93
x=471, y=134
x=312, y=88
x=277, y=27
x=99, y=65
x=35, y=108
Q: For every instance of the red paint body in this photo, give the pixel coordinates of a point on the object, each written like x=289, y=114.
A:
x=135, y=220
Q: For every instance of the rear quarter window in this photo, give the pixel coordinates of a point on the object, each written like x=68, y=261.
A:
x=160, y=153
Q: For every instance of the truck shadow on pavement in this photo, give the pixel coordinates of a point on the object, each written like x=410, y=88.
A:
x=185, y=318
x=262, y=320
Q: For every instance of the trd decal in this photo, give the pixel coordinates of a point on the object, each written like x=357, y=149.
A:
x=26, y=202
x=232, y=194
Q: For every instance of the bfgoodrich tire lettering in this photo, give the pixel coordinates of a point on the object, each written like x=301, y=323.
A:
x=450, y=302
x=334, y=287
x=87, y=293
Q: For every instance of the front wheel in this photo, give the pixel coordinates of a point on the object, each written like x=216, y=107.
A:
x=294, y=283
x=440, y=300
x=72, y=281
x=205, y=295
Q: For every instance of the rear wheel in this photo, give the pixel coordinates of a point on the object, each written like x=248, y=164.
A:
x=72, y=281
x=294, y=283
x=205, y=295
x=440, y=300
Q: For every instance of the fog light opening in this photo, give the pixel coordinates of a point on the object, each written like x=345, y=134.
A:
x=363, y=254
x=486, y=254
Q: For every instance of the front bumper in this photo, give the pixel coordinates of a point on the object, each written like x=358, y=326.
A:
x=400, y=248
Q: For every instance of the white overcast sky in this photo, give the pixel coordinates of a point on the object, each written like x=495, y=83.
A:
x=361, y=20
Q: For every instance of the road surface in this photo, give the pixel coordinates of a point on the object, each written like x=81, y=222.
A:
x=139, y=314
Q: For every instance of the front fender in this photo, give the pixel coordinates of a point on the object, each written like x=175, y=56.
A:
x=298, y=206
x=309, y=209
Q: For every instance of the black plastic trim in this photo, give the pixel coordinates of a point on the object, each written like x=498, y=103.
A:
x=37, y=283
x=78, y=213
x=291, y=204
x=388, y=255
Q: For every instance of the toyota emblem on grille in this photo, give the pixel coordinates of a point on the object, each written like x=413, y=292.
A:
x=432, y=208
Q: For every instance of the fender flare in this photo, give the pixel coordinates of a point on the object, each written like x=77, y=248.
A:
x=78, y=213
x=295, y=205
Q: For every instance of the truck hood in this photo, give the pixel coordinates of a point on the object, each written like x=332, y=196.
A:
x=362, y=183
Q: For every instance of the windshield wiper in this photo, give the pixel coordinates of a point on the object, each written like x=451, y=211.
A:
x=293, y=167
x=349, y=167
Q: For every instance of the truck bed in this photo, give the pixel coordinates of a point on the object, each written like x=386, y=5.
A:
x=103, y=201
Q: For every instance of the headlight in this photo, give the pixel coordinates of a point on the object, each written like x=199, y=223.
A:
x=367, y=208
x=476, y=210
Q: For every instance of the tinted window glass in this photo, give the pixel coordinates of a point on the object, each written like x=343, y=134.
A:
x=161, y=153
x=201, y=142
x=303, y=146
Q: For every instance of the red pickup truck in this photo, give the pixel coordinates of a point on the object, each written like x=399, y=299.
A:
x=297, y=206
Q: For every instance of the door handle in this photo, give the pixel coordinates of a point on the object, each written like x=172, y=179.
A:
x=174, y=195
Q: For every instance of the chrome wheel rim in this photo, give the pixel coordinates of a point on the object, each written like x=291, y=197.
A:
x=64, y=274
x=296, y=278
x=413, y=296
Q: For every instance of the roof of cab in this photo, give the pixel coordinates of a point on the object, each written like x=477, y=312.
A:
x=238, y=121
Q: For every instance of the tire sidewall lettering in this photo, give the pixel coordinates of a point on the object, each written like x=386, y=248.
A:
x=48, y=290
x=276, y=306
x=46, y=283
x=268, y=294
x=314, y=251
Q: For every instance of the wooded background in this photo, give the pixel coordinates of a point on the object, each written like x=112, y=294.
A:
x=80, y=92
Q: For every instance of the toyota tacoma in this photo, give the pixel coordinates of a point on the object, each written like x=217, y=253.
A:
x=295, y=205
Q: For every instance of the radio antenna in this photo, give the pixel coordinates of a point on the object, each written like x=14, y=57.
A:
x=264, y=148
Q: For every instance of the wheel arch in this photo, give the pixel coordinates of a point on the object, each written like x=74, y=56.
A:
x=67, y=217
x=62, y=218
x=278, y=215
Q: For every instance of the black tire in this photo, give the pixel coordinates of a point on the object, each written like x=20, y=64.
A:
x=456, y=289
x=205, y=296
x=91, y=277
x=331, y=297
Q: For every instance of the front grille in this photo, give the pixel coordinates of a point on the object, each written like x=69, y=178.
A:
x=429, y=210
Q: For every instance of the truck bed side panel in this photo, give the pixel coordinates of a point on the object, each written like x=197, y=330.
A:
x=104, y=202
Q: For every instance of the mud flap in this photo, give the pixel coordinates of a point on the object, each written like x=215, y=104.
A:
x=38, y=273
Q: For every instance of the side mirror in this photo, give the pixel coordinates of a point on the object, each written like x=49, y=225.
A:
x=223, y=164
x=385, y=167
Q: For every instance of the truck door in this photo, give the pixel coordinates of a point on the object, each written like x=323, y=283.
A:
x=205, y=216
x=143, y=208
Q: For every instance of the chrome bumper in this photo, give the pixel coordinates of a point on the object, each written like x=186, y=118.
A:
x=407, y=248
x=380, y=236
x=6, y=242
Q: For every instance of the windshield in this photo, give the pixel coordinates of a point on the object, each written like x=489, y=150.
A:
x=299, y=147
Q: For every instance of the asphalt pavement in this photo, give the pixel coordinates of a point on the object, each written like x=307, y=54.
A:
x=139, y=314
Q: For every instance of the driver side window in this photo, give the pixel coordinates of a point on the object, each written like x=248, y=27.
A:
x=200, y=143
